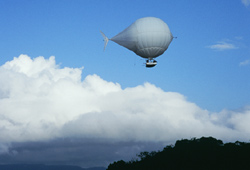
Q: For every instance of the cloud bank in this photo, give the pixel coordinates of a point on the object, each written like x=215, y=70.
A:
x=40, y=101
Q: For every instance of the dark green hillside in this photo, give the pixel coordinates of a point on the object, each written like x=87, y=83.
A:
x=204, y=153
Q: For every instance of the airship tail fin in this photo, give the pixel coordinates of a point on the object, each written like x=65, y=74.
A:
x=106, y=40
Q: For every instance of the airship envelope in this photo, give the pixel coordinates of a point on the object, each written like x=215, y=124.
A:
x=148, y=37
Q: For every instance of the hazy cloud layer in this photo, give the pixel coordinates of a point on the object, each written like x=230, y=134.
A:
x=246, y=2
x=244, y=63
x=80, y=152
x=39, y=102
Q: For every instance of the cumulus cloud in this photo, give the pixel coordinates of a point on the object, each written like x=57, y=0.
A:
x=40, y=101
x=246, y=2
x=223, y=46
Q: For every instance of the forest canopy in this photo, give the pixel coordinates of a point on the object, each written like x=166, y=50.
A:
x=202, y=153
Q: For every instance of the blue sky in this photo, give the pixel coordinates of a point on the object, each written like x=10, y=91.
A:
x=206, y=70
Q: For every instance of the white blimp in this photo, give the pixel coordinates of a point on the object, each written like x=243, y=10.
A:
x=147, y=37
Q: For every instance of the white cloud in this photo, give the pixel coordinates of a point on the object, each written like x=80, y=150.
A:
x=40, y=101
x=244, y=63
x=246, y=2
x=223, y=46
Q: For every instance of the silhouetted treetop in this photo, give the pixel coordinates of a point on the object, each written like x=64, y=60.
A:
x=203, y=153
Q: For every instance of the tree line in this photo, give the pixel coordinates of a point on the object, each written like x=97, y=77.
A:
x=203, y=153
